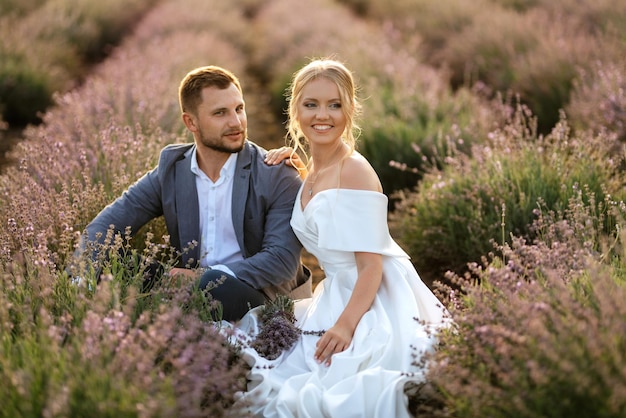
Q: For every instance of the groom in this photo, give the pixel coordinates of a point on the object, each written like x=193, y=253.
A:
x=219, y=193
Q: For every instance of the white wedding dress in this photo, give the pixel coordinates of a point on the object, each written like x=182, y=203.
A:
x=367, y=379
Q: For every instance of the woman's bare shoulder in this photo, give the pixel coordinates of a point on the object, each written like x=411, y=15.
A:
x=357, y=173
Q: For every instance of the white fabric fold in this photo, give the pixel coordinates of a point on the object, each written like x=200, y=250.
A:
x=367, y=379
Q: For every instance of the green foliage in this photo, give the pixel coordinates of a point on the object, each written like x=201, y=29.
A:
x=25, y=90
x=598, y=100
x=532, y=48
x=18, y=7
x=434, y=21
x=417, y=133
x=606, y=18
x=282, y=304
x=518, y=5
x=549, y=354
x=542, y=332
x=45, y=47
x=486, y=49
x=42, y=361
x=105, y=346
x=457, y=214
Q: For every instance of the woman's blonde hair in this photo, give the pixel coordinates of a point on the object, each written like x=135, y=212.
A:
x=339, y=74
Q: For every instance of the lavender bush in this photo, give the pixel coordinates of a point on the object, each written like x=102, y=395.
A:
x=533, y=48
x=46, y=46
x=599, y=99
x=457, y=213
x=109, y=349
x=542, y=332
x=84, y=350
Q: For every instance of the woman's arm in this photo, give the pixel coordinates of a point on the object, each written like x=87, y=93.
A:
x=339, y=336
x=356, y=173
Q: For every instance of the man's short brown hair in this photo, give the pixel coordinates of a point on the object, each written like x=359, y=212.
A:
x=190, y=90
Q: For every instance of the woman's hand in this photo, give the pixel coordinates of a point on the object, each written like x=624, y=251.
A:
x=277, y=155
x=334, y=341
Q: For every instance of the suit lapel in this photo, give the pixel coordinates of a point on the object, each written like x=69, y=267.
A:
x=241, y=184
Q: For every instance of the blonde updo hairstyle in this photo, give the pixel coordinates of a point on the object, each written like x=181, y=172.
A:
x=336, y=72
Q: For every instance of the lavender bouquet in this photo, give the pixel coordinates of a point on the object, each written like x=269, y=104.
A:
x=278, y=330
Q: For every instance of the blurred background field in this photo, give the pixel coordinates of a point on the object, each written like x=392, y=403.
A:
x=496, y=126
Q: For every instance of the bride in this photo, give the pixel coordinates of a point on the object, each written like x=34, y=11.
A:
x=371, y=318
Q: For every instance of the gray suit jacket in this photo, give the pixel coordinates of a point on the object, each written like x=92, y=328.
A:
x=263, y=199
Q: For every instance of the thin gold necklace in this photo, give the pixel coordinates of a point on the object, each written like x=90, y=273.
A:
x=312, y=181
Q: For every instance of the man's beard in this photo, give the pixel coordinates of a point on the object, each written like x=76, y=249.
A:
x=220, y=146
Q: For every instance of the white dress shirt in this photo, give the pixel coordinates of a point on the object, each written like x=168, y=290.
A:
x=218, y=242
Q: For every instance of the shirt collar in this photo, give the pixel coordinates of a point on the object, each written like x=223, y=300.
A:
x=227, y=171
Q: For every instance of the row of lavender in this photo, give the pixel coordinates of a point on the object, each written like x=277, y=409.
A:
x=49, y=45
x=70, y=350
x=486, y=175
x=555, y=54
x=537, y=208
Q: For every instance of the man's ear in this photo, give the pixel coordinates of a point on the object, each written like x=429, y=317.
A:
x=190, y=121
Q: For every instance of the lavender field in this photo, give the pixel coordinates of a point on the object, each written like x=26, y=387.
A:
x=496, y=126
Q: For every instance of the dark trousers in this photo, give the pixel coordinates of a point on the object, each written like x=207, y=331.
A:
x=236, y=296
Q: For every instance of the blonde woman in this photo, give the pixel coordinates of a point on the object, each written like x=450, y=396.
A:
x=372, y=313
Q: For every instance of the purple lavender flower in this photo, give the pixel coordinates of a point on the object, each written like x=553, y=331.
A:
x=278, y=330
